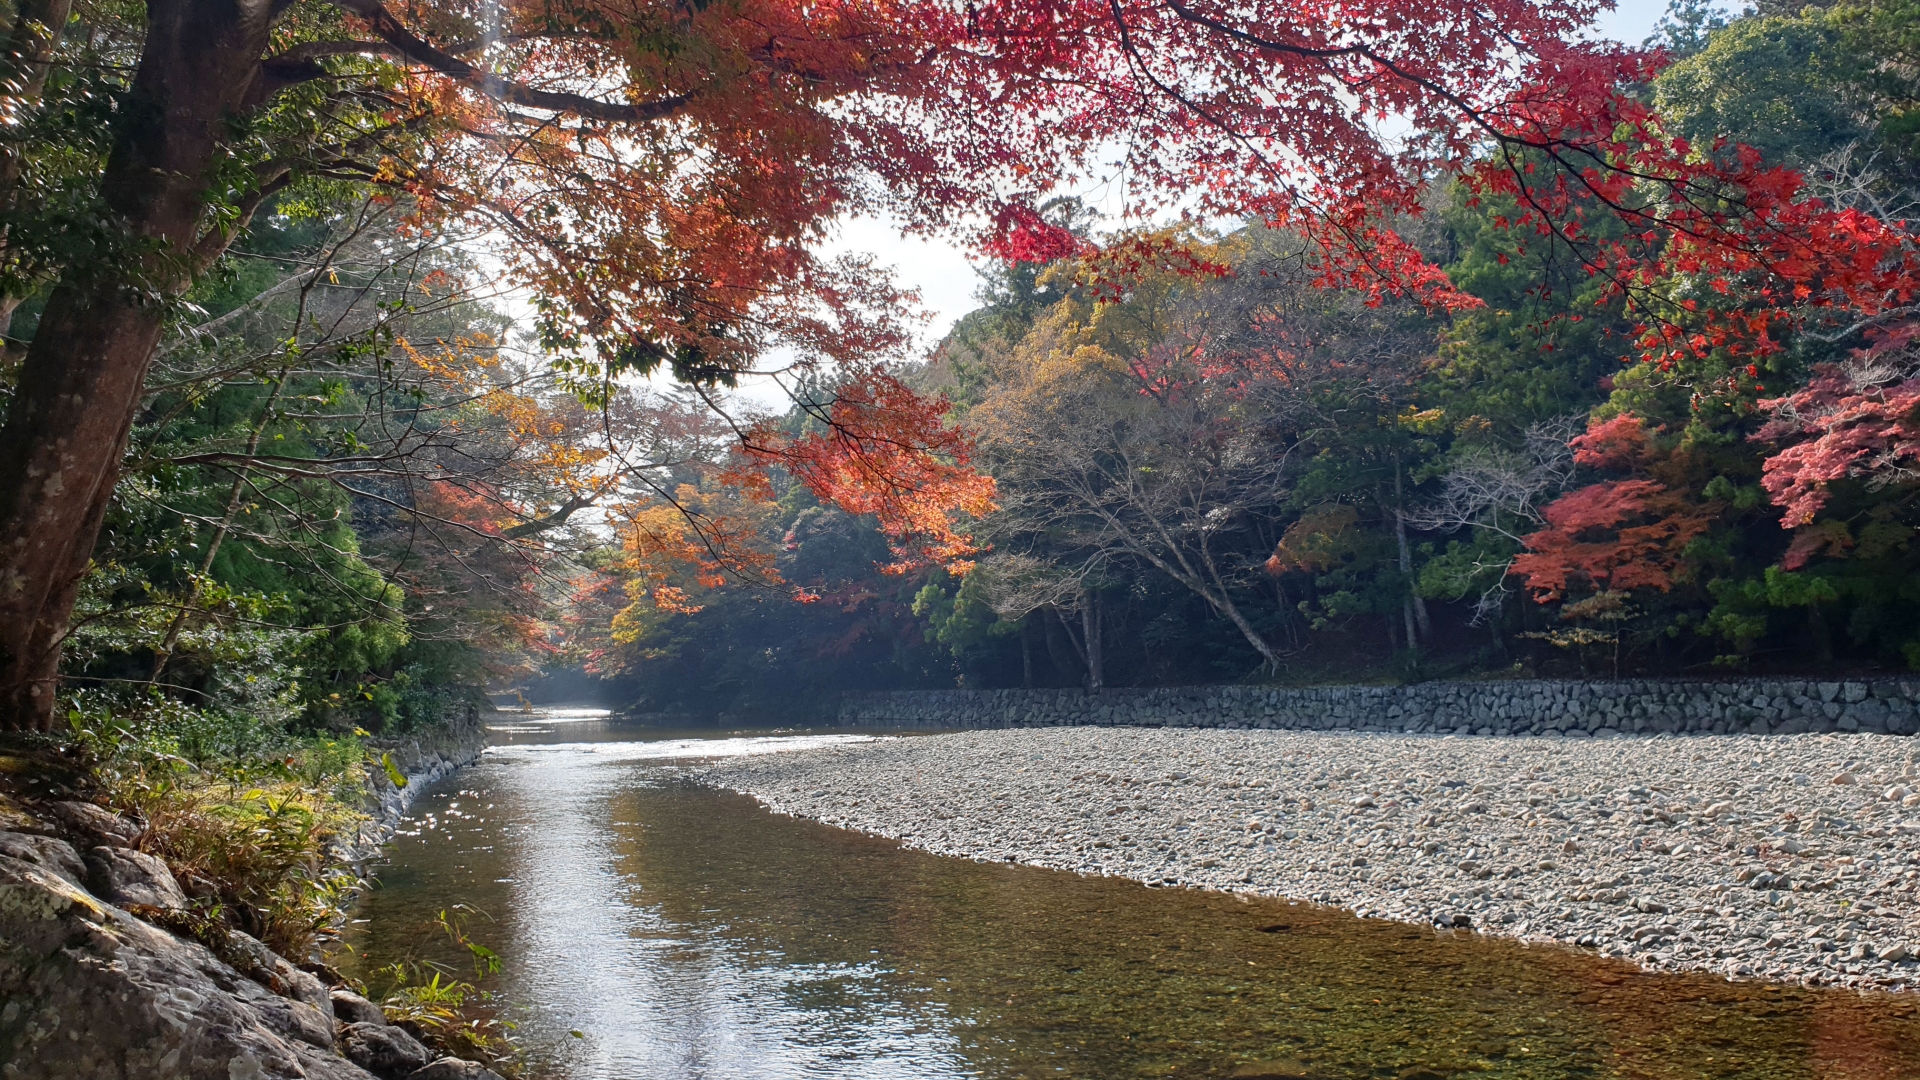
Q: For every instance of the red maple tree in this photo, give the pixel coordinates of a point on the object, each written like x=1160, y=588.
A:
x=1618, y=534
x=1853, y=421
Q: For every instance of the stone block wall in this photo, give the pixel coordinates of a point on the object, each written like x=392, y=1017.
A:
x=424, y=758
x=1565, y=708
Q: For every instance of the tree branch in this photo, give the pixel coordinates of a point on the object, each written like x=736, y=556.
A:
x=420, y=51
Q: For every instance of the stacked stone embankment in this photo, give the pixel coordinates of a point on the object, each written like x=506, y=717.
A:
x=1570, y=708
x=424, y=759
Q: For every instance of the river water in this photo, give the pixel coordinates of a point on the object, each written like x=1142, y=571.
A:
x=652, y=930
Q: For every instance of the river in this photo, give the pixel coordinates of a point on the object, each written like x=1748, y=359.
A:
x=653, y=930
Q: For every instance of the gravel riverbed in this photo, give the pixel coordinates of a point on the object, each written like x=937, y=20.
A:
x=1792, y=857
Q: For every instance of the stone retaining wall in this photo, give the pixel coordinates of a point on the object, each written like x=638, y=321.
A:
x=424, y=758
x=1518, y=707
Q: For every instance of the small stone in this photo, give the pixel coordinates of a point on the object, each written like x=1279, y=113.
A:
x=1845, y=778
x=1363, y=801
x=351, y=1008
x=1570, y=847
x=449, y=1068
x=1263, y=1070
x=1893, y=954
x=1722, y=807
x=383, y=1050
x=1792, y=846
x=1897, y=792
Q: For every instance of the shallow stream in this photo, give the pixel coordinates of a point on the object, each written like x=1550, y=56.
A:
x=687, y=934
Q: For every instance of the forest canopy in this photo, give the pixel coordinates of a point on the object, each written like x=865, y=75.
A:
x=1210, y=466
x=417, y=370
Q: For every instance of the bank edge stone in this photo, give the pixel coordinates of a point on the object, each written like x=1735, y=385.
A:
x=1550, y=708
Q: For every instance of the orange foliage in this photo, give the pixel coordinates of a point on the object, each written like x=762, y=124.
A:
x=1858, y=421
x=669, y=221
x=878, y=448
x=1316, y=543
x=692, y=532
x=1617, y=534
x=1619, y=443
x=1776, y=258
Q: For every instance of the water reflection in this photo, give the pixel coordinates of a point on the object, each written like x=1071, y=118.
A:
x=689, y=934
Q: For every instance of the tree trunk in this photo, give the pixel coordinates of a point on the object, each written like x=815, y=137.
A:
x=26, y=58
x=81, y=384
x=1090, y=629
x=1416, y=607
x=1079, y=650
x=1822, y=637
x=1026, y=654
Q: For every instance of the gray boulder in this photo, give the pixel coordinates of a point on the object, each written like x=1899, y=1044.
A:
x=448, y=1068
x=271, y=970
x=92, y=993
x=91, y=825
x=351, y=1008
x=124, y=877
x=47, y=853
x=383, y=1050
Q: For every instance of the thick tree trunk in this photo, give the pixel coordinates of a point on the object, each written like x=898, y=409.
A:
x=80, y=386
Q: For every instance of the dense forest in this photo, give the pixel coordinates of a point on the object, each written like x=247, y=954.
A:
x=1209, y=469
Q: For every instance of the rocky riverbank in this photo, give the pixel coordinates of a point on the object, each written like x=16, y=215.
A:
x=1791, y=858
x=108, y=970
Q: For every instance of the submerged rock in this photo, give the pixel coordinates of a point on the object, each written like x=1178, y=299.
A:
x=1273, y=1070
